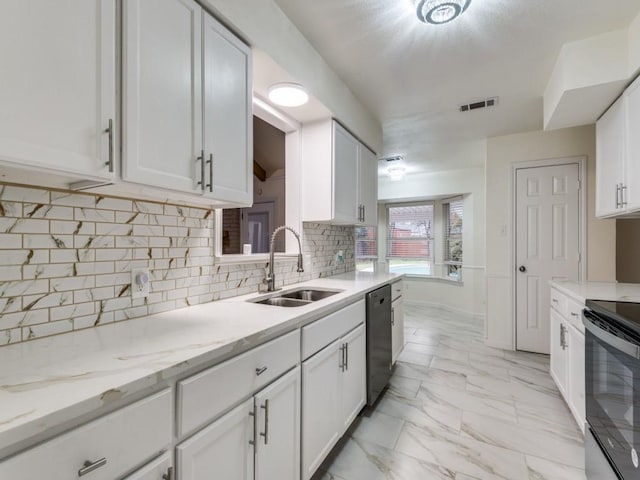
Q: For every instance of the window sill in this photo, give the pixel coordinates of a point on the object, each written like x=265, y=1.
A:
x=255, y=258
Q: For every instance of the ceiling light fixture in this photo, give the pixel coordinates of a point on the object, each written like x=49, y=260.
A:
x=438, y=12
x=396, y=173
x=288, y=94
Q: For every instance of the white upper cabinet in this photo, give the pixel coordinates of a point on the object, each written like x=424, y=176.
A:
x=187, y=102
x=618, y=156
x=162, y=108
x=340, y=176
x=57, y=87
x=228, y=124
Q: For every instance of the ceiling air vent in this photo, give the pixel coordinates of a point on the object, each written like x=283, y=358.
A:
x=489, y=102
x=395, y=158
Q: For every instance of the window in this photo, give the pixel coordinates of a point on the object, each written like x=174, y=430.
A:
x=452, y=215
x=366, y=248
x=410, y=238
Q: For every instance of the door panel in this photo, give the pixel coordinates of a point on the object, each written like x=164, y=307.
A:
x=354, y=377
x=162, y=108
x=278, y=446
x=610, y=137
x=368, y=185
x=345, y=172
x=547, y=245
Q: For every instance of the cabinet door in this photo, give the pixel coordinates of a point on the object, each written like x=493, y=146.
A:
x=278, y=439
x=321, y=385
x=576, y=375
x=228, y=122
x=221, y=450
x=57, y=88
x=354, y=377
x=345, y=175
x=368, y=186
x=158, y=469
x=559, y=368
x=609, y=159
x=397, y=328
x=162, y=104
x=632, y=152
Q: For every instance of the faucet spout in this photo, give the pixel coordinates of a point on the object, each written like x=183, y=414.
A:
x=271, y=278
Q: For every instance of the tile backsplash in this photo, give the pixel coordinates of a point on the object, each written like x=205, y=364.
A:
x=66, y=258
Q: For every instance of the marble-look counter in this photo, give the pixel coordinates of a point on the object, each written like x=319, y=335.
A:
x=46, y=383
x=581, y=291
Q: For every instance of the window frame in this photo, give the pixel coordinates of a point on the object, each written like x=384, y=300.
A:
x=373, y=258
x=452, y=269
x=430, y=239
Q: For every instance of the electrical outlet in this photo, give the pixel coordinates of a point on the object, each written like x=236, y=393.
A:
x=140, y=281
x=340, y=257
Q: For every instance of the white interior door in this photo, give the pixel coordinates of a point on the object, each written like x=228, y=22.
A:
x=547, y=246
x=257, y=226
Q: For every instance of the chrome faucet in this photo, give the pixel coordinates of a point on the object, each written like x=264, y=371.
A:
x=271, y=278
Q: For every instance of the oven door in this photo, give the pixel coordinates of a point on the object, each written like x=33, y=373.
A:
x=612, y=387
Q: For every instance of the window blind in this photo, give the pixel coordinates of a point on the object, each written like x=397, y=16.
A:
x=366, y=247
x=410, y=232
x=452, y=210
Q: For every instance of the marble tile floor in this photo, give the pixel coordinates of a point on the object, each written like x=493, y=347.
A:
x=457, y=409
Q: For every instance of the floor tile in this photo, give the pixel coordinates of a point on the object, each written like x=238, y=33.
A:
x=415, y=358
x=542, y=469
x=379, y=428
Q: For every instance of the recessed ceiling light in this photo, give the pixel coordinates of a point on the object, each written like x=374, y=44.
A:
x=288, y=94
x=396, y=173
x=438, y=12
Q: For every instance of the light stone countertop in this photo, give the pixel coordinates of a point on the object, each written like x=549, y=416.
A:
x=581, y=291
x=48, y=382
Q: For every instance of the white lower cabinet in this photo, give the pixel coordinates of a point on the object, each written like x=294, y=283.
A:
x=221, y=450
x=397, y=320
x=567, y=353
x=266, y=426
x=103, y=449
x=333, y=392
x=159, y=469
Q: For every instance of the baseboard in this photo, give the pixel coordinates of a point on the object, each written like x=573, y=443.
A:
x=446, y=308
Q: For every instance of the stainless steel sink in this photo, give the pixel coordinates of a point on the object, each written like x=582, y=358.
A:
x=295, y=298
x=284, y=302
x=309, y=295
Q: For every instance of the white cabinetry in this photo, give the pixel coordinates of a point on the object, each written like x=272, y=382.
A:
x=57, y=87
x=333, y=383
x=397, y=320
x=159, y=469
x=567, y=352
x=107, y=447
x=618, y=156
x=186, y=111
x=340, y=175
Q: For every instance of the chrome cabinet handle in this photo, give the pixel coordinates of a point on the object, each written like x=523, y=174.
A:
x=393, y=317
x=623, y=195
x=574, y=314
x=554, y=300
x=341, y=366
x=260, y=371
x=168, y=475
x=253, y=414
x=364, y=210
x=265, y=434
x=210, y=163
x=109, y=130
x=89, y=466
x=346, y=356
x=563, y=335
x=201, y=160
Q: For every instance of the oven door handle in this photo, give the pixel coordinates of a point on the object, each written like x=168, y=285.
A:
x=618, y=343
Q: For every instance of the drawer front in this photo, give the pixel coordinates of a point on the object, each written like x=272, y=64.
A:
x=203, y=397
x=397, y=289
x=559, y=302
x=124, y=439
x=154, y=470
x=574, y=314
x=321, y=333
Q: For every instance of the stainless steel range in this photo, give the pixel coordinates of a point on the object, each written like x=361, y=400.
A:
x=612, y=381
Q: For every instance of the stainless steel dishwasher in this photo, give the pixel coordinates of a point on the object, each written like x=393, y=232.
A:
x=379, y=361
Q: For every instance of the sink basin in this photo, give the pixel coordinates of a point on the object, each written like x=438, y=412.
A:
x=309, y=295
x=295, y=298
x=284, y=302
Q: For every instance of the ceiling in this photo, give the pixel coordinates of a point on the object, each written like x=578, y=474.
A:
x=413, y=76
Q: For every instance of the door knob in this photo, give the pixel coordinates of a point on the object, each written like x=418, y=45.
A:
x=522, y=268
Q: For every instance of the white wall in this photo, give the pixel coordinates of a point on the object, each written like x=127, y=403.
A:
x=502, y=153
x=468, y=297
x=263, y=25
x=634, y=46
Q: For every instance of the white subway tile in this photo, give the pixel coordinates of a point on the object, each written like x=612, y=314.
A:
x=162, y=307
x=114, y=229
x=128, y=313
x=116, y=304
x=72, y=283
x=111, y=203
x=23, y=257
x=10, y=240
x=48, y=241
x=159, y=242
x=128, y=265
x=126, y=242
x=90, y=241
x=8, y=337
x=10, y=304
x=10, y=209
x=73, y=199
x=93, y=294
x=113, y=254
x=163, y=220
x=148, y=207
x=112, y=280
x=24, y=287
x=93, y=215
x=148, y=230
x=23, y=194
x=52, y=270
x=132, y=218
x=51, y=212
x=34, y=302
x=71, y=227
x=46, y=329
x=71, y=311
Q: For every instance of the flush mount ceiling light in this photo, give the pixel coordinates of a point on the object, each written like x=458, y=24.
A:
x=288, y=94
x=396, y=173
x=438, y=12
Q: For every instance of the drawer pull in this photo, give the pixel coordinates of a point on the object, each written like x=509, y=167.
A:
x=265, y=407
x=574, y=314
x=260, y=371
x=253, y=414
x=90, y=466
x=554, y=300
x=168, y=475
